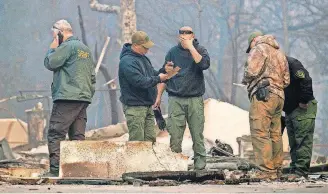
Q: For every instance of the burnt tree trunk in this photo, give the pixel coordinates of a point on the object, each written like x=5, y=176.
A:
x=127, y=16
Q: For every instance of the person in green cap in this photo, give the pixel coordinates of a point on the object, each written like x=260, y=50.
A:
x=72, y=89
x=138, y=80
x=186, y=92
x=266, y=75
x=301, y=110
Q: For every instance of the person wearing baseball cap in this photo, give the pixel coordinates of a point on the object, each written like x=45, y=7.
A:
x=138, y=80
x=251, y=37
x=266, y=75
x=141, y=38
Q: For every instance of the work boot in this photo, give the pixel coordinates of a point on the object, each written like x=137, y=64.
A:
x=199, y=163
x=293, y=175
x=279, y=173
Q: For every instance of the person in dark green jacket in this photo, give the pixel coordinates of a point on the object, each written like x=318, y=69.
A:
x=72, y=89
x=185, y=94
x=138, y=80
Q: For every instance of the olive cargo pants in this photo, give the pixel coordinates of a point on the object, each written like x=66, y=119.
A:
x=300, y=128
x=191, y=110
x=141, y=123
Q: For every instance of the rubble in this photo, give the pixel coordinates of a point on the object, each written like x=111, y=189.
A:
x=20, y=168
x=245, y=148
x=115, y=161
x=5, y=150
x=162, y=183
x=221, y=149
x=228, y=163
x=225, y=122
x=110, y=131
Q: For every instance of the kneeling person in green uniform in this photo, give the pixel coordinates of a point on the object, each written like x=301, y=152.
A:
x=301, y=109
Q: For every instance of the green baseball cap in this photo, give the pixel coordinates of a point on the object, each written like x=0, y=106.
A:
x=251, y=37
x=141, y=38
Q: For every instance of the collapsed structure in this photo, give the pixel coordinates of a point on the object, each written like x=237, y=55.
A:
x=107, y=154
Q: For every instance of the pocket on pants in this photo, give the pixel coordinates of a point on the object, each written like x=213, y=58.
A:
x=57, y=113
x=255, y=123
x=309, y=113
x=197, y=107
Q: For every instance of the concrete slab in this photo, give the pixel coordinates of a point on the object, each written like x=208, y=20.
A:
x=103, y=159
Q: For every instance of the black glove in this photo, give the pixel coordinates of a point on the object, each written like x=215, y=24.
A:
x=283, y=124
x=159, y=118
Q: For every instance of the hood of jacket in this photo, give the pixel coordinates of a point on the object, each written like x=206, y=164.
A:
x=268, y=39
x=127, y=50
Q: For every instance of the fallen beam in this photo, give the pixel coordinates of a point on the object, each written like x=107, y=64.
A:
x=222, y=166
x=14, y=180
x=313, y=169
x=195, y=176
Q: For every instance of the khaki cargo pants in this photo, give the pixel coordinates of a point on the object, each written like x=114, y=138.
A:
x=190, y=110
x=141, y=123
x=265, y=124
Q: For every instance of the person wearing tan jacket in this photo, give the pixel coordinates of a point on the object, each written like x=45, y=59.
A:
x=266, y=75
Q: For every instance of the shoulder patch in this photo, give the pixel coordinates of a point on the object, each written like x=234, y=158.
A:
x=300, y=74
x=82, y=54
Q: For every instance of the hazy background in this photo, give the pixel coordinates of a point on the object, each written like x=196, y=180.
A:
x=222, y=26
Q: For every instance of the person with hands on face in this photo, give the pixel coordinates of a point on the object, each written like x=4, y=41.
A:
x=186, y=90
x=72, y=89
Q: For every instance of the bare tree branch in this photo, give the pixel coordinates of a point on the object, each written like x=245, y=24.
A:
x=96, y=6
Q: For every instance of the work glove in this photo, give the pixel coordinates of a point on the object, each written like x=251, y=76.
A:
x=159, y=118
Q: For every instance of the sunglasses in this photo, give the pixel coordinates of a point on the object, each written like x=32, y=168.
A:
x=54, y=28
x=185, y=32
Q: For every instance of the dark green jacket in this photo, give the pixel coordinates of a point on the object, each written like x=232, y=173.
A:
x=189, y=82
x=73, y=71
x=137, y=78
